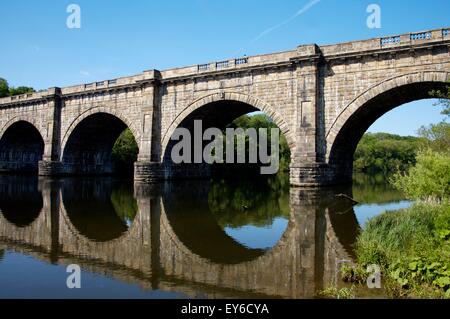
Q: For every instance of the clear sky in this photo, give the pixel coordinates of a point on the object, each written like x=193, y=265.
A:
x=120, y=38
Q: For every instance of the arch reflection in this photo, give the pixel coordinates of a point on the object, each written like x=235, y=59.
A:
x=187, y=206
x=20, y=199
x=100, y=209
x=255, y=214
x=177, y=237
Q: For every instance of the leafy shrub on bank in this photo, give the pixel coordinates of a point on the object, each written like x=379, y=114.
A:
x=429, y=179
x=412, y=247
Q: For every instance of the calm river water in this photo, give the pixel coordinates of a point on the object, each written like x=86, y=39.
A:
x=202, y=239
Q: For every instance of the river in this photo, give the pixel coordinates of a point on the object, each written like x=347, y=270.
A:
x=196, y=239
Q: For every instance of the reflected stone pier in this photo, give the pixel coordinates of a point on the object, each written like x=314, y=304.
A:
x=144, y=241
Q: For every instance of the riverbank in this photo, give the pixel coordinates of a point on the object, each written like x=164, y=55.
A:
x=411, y=247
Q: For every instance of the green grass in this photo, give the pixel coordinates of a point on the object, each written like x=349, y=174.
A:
x=335, y=293
x=412, y=247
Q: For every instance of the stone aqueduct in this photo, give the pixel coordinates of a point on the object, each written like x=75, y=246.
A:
x=323, y=98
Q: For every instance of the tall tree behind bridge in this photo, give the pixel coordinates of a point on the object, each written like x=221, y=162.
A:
x=6, y=90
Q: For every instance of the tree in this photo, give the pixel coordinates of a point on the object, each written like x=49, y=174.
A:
x=125, y=152
x=4, y=88
x=263, y=121
x=428, y=179
x=436, y=136
x=444, y=99
x=20, y=90
x=385, y=153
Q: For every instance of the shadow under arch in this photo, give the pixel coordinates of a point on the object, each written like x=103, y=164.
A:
x=219, y=110
x=21, y=201
x=88, y=144
x=21, y=147
x=351, y=124
x=101, y=210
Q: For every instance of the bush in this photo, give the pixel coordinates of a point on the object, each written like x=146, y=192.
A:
x=436, y=136
x=412, y=248
x=429, y=179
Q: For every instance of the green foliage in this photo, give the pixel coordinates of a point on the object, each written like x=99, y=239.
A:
x=385, y=153
x=263, y=121
x=429, y=179
x=343, y=293
x=392, y=235
x=444, y=99
x=4, y=88
x=20, y=90
x=411, y=273
x=412, y=246
x=125, y=152
x=436, y=136
x=442, y=225
x=353, y=273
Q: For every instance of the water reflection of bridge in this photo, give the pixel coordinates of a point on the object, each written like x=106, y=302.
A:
x=153, y=254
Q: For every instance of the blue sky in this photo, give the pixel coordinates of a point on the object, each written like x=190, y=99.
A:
x=120, y=38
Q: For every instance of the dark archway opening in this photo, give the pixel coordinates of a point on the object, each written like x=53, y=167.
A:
x=21, y=148
x=341, y=158
x=89, y=149
x=222, y=115
x=223, y=220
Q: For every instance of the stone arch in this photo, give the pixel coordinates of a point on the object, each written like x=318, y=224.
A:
x=88, y=142
x=231, y=97
x=21, y=145
x=100, y=109
x=354, y=120
x=12, y=121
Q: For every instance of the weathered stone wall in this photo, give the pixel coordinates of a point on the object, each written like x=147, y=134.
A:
x=323, y=99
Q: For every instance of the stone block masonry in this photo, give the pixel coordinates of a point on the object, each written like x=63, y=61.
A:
x=323, y=98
